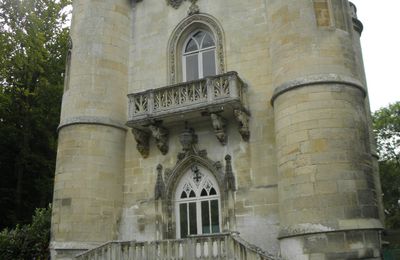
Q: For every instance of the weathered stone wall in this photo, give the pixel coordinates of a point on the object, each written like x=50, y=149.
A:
x=246, y=46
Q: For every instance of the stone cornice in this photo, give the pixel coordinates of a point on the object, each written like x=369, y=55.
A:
x=316, y=80
x=91, y=120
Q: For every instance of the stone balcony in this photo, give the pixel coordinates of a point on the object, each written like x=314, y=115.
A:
x=216, y=98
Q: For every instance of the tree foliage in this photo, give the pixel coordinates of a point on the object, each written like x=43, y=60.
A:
x=27, y=241
x=386, y=122
x=33, y=44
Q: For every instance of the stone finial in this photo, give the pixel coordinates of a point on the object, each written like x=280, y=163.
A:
x=159, y=189
x=188, y=139
x=142, y=141
x=219, y=123
x=161, y=135
x=194, y=8
x=243, y=120
x=230, y=178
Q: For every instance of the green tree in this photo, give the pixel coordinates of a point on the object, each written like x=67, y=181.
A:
x=33, y=45
x=28, y=241
x=386, y=123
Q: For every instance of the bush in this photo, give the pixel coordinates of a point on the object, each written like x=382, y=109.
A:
x=28, y=241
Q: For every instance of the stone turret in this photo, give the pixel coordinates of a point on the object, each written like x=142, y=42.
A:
x=90, y=161
x=327, y=182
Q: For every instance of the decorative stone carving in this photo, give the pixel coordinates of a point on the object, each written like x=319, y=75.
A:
x=161, y=135
x=159, y=189
x=229, y=177
x=243, y=119
x=188, y=140
x=197, y=175
x=142, y=141
x=174, y=3
x=219, y=123
x=194, y=8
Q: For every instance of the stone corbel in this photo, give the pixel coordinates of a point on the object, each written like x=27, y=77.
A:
x=219, y=123
x=142, y=141
x=160, y=134
x=243, y=119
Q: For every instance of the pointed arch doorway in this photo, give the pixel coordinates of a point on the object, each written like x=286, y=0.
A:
x=197, y=203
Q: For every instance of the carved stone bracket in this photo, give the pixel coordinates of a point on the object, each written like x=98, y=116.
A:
x=243, y=119
x=219, y=123
x=159, y=189
x=142, y=141
x=160, y=134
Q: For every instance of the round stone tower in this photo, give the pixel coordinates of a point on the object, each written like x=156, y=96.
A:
x=327, y=185
x=90, y=160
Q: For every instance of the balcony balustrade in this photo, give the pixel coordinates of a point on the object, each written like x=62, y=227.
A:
x=188, y=100
x=221, y=246
x=215, y=98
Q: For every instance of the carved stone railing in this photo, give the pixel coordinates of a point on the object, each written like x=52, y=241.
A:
x=215, y=98
x=199, y=96
x=221, y=246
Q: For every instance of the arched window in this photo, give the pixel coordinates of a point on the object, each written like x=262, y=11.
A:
x=198, y=27
x=197, y=203
x=198, y=56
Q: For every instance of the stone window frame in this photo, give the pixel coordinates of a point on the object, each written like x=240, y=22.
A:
x=186, y=179
x=172, y=179
x=179, y=36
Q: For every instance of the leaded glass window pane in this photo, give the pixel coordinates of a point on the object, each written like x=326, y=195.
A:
x=205, y=217
x=192, y=218
x=199, y=56
x=191, y=46
x=209, y=63
x=192, y=67
x=207, y=41
x=214, y=216
x=183, y=219
x=199, y=36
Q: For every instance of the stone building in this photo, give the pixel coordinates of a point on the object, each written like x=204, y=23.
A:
x=216, y=128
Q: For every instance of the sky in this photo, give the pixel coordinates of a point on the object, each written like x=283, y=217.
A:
x=380, y=43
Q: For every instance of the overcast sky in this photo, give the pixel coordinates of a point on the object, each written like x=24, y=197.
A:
x=381, y=49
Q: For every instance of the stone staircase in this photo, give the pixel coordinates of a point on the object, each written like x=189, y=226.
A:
x=221, y=246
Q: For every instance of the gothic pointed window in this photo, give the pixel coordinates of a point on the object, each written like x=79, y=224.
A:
x=197, y=203
x=198, y=57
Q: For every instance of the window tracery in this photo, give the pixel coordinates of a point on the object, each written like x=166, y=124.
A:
x=197, y=203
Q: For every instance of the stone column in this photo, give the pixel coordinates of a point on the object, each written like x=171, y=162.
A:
x=90, y=160
x=327, y=191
